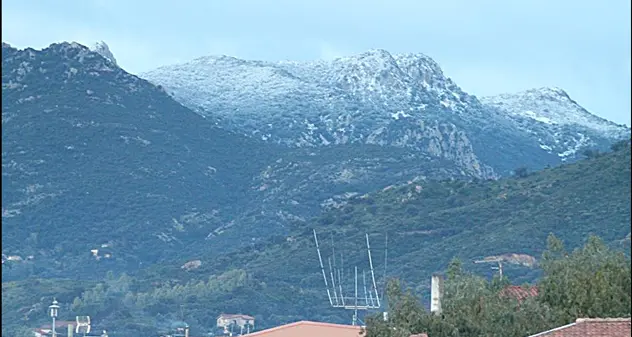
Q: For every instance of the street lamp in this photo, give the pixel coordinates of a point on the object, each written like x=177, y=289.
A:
x=53, y=310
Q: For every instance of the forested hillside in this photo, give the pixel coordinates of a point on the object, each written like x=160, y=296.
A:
x=427, y=222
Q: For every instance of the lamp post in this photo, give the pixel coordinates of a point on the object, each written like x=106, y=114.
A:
x=53, y=310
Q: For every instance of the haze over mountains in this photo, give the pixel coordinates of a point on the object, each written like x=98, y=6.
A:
x=219, y=157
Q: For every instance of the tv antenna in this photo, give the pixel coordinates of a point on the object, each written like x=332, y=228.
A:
x=83, y=325
x=497, y=260
x=336, y=293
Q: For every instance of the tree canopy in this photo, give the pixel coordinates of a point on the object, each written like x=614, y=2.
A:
x=592, y=281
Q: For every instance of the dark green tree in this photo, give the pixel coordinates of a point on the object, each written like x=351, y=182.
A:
x=593, y=281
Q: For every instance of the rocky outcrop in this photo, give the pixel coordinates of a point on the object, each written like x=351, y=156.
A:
x=104, y=50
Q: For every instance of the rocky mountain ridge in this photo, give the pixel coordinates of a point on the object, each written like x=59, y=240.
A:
x=377, y=98
x=103, y=49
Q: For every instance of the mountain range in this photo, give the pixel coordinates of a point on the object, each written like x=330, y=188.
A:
x=218, y=159
x=391, y=100
x=258, y=147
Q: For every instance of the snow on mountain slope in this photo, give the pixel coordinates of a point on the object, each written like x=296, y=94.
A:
x=552, y=106
x=561, y=125
x=348, y=100
x=374, y=97
x=104, y=50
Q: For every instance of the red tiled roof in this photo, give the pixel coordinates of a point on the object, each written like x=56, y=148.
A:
x=310, y=329
x=519, y=293
x=592, y=327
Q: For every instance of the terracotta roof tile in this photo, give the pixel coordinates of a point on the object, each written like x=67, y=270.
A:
x=519, y=292
x=310, y=329
x=591, y=327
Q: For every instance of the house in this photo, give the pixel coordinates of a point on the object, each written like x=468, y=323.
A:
x=591, y=327
x=240, y=323
x=310, y=329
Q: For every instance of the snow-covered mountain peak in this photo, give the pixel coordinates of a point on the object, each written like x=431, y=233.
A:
x=366, y=73
x=550, y=92
x=103, y=49
x=551, y=105
x=374, y=56
x=424, y=71
x=414, y=64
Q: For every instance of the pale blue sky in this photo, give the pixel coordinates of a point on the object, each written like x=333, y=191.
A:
x=486, y=46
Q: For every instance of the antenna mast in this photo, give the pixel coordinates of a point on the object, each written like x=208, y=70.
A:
x=370, y=300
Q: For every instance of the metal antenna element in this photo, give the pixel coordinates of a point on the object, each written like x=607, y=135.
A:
x=322, y=268
x=385, y=264
x=366, y=296
x=355, y=308
x=371, y=298
x=498, y=260
x=333, y=282
x=368, y=248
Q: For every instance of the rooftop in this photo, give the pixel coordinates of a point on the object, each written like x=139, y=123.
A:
x=519, y=293
x=310, y=329
x=233, y=316
x=591, y=327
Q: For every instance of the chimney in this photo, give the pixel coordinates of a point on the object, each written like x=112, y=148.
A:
x=436, y=293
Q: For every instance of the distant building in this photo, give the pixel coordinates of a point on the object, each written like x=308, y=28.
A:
x=236, y=324
x=591, y=327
